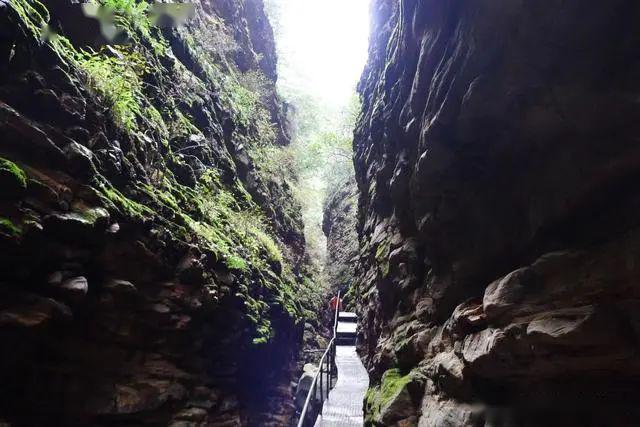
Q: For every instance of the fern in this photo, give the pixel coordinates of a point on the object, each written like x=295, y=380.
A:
x=117, y=78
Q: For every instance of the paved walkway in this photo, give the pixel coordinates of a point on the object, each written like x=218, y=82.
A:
x=344, y=406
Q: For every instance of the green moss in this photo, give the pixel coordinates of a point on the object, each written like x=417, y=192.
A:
x=8, y=228
x=33, y=13
x=241, y=94
x=258, y=313
x=383, y=251
x=115, y=73
x=382, y=257
x=118, y=80
x=380, y=397
x=123, y=204
x=213, y=217
x=133, y=16
x=264, y=334
x=144, y=98
x=236, y=263
x=181, y=125
x=134, y=12
x=265, y=249
x=392, y=384
x=10, y=168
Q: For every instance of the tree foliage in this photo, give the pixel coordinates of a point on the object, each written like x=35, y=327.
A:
x=319, y=158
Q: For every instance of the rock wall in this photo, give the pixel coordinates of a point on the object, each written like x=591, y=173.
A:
x=497, y=159
x=339, y=226
x=151, y=271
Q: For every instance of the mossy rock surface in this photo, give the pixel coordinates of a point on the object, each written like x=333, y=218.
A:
x=9, y=229
x=393, y=399
x=13, y=180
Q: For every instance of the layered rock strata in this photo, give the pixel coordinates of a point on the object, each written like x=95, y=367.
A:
x=339, y=226
x=497, y=159
x=151, y=271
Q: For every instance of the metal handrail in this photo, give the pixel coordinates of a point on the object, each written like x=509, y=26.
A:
x=330, y=362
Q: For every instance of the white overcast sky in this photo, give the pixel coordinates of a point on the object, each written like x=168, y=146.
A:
x=322, y=46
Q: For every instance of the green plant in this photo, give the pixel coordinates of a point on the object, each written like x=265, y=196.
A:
x=135, y=10
x=8, y=228
x=116, y=74
x=33, y=13
x=378, y=398
x=8, y=167
x=236, y=263
x=152, y=100
x=128, y=207
x=133, y=17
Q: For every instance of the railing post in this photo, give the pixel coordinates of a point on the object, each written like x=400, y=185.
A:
x=321, y=388
x=329, y=368
x=333, y=357
x=326, y=367
x=331, y=361
x=328, y=380
x=315, y=390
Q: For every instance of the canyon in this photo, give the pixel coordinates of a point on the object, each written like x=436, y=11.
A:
x=153, y=263
x=152, y=272
x=497, y=160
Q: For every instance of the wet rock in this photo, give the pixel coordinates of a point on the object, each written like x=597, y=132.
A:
x=339, y=226
x=55, y=278
x=76, y=225
x=121, y=287
x=75, y=289
x=28, y=310
x=80, y=134
x=80, y=158
x=190, y=269
x=394, y=401
x=192, y=414
x=18, y=130
x=158, y=338
x=12, y=179
x=304, y=385
x=446, y=413
x=160, y=308
x=143, y=396
x=487, y=257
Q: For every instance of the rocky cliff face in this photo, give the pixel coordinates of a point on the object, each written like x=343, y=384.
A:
x=339, y=226
x=151, y=270
x=497, y=161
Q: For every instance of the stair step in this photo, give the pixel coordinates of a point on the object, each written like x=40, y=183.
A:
x=347, y=314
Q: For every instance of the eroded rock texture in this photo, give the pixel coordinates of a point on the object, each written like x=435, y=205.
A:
x=149, y=270
x=497, y=160
x=339, y=226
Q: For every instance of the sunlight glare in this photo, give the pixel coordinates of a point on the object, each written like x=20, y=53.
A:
x=324, y=43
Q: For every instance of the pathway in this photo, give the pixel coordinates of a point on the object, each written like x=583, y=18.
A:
x=343, y=408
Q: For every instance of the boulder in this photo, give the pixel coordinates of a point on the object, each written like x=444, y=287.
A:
x=74, y=289
x=395, y=400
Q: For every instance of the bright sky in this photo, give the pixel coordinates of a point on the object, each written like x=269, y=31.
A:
x=323, y=46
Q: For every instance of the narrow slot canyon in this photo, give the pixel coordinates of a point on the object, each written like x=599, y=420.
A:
x=187, y=187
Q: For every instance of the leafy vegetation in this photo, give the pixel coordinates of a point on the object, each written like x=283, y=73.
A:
x=117, y=78
x=133, y=17
x=8, y=228
x=244, y=93
x=10, y=168
x=152, y=98
x=127, y=207
x=318, y=161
